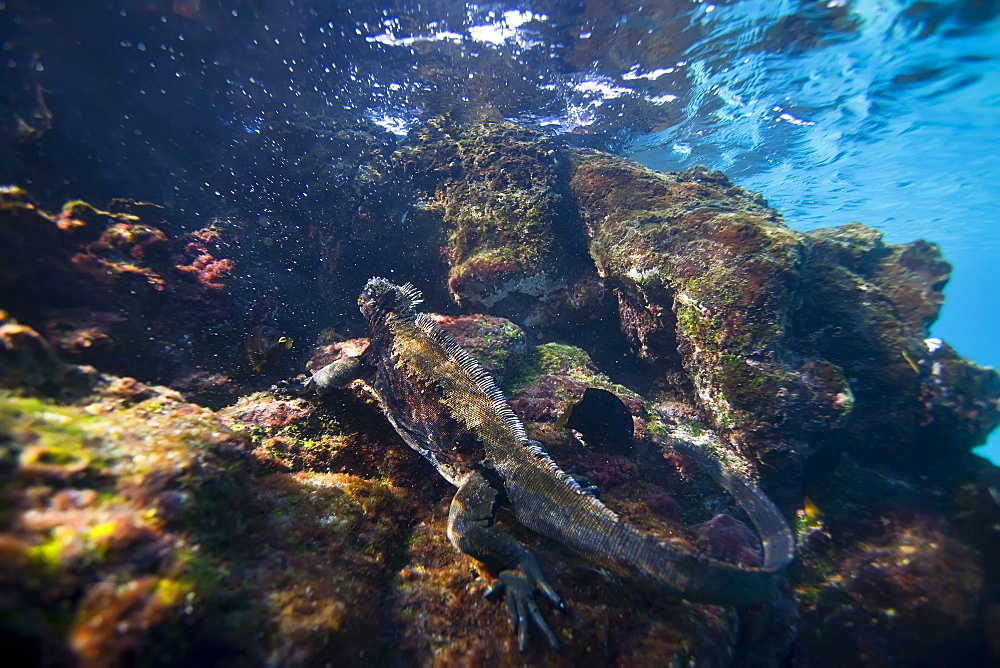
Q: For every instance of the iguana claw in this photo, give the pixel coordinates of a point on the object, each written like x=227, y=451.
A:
x=519, y=586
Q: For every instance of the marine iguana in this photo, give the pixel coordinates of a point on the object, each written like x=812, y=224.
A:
x=447, y=408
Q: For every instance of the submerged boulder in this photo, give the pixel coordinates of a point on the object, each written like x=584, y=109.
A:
x=705, y=276
x=867, y=307
x=787, y=341
x=515, y=246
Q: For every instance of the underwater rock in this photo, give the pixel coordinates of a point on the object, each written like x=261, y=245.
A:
x=111, y=290
x=328, y=209
x=867, y=307
x=26, y=361
x=785, y=340
x=899, y=575
x=205, y=388
x=555, y=376
x=960, y=401
x=137, y=524
x=705, y=275
x=331, y=352
x=514, y=242
x=84, y=336
x=552, y=377
x=730, y=540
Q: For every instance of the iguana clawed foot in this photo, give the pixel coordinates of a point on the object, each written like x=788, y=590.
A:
x=519, y=585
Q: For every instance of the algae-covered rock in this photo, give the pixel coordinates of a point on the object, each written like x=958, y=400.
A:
x=138, y=525
x=785, y=340
x=26, y=360
x=705, y=274
x=890, y=571
x=110, y=288
x=867, y=307
x=515, y=244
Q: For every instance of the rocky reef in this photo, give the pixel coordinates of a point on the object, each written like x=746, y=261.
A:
x=160, y=504
x=515, y=242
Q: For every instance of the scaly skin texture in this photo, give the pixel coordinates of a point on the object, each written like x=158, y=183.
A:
x=446, y=407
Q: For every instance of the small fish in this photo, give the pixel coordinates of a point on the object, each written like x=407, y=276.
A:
x=265, y=346
x=812, y=512
x=601, y=417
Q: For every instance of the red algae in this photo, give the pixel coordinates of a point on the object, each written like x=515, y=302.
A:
x=208, y=271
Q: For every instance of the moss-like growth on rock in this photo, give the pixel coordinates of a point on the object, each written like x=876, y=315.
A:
x=706, y=273
x=768, y=324
x=514, y=240
x=879, y=578
x=139, y=513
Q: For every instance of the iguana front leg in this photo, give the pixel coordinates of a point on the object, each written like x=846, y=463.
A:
x=334, y=375
x=471, y=530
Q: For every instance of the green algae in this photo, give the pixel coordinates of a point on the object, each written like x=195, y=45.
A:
x=501, y=352
x=49, y=423
x=498, y=192
x=51, y=440
x=742, y=383
x=656, y=427
x=503, y=208
x=556, y=359
x=47, y=556
x=561, y=358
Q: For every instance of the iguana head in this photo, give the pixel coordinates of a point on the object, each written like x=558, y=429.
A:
x=380, y=298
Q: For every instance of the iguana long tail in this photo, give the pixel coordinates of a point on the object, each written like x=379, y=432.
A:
x=553, y=507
